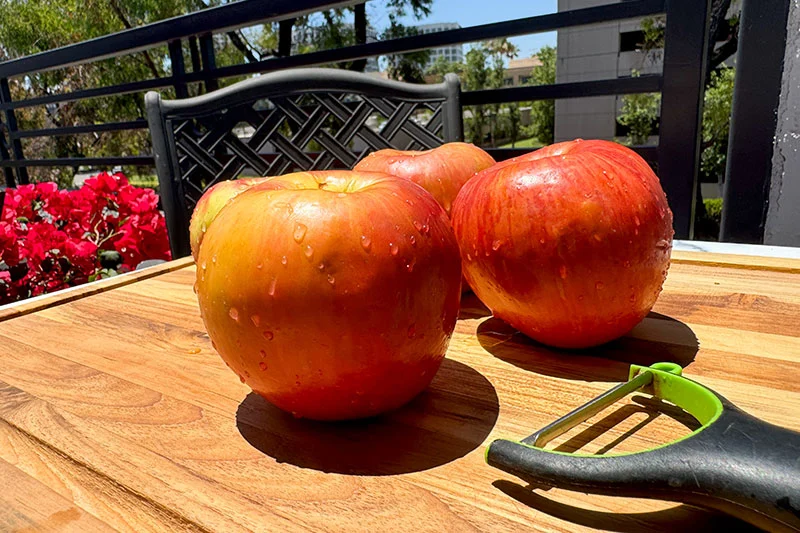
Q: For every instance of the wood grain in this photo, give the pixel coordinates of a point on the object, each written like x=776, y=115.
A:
x=116, y=412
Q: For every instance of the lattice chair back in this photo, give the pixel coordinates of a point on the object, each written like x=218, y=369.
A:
x=301, y=119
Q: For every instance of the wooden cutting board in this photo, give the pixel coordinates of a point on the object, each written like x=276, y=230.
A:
x=116, y=414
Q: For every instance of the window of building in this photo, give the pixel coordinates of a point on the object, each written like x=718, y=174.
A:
x=508, y=82
x=524, y=79
x=630, y=41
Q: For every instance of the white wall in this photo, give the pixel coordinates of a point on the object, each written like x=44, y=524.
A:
x=783, y=215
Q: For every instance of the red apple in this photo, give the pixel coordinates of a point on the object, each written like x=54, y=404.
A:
x=331, y=294
x=569, y=244
x=210, y=204
x=441, y=171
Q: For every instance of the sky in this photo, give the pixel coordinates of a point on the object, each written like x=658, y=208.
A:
x=475, y=12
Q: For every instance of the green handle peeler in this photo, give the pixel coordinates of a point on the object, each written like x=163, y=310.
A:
x=734, y=462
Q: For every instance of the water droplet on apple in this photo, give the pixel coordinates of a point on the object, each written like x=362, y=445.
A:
x=203, y=228
x=268, y=335
x=632, y=298
x=214, y=259
x=637, y=221
x=393, y=248
x=255, y=319
x=469, y=257
x=309, y=252
x=284, y=260
x=562, y=271
x=299, y=232
x=425, y=229
x=331, y=279
x=627, y=264
x=272, y=284
x=497, y=244
x=412, y=240
x=542, y=241
x=241, y=378
x=418, y=225
x=203, y=266
x=366, y=243
x=234, y=313
x=599, y=285
x=409, y=202
x=341, y=195
x=580, y=297
x=262, y=353
x=410, y=264
x=412, y=331
x=260, y=266
x=262, y=365
x=636, y=231
x=321, y=266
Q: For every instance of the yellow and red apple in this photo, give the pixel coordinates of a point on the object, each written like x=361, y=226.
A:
x=331, y=294
x=210, y=204
x=441, y=171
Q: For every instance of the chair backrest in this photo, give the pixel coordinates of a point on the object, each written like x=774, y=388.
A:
x=300, y=119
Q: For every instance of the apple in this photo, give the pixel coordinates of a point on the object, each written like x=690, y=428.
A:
x=210, y=204
x=331, y=294
x=441, y=171
x=569, y=244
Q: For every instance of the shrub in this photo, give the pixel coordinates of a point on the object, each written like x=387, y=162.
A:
x=51, y=239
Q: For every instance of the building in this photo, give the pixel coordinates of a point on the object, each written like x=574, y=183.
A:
x=600, y=51
x=453, y=53
x=310, y=34
x=519, y=71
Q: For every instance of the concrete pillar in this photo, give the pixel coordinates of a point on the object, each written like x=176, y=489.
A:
x=782, y=226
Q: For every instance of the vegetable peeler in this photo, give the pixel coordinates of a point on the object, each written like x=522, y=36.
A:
x=734, y=462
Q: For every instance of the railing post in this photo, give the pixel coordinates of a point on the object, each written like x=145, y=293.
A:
x=5, y=156
x=685, y=54
x=11, y=128
x=285, y=37
x=195, y=54
x=178, y=69
x=756, y=93
x=209, y=62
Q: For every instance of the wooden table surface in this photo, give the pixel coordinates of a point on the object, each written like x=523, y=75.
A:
x=116, y=414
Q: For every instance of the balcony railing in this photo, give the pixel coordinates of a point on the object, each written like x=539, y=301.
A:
x=681, y=82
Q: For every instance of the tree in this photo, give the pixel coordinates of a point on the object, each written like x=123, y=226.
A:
x=408, y=67
x=543, y=112
x=31, y=26
x=716, y=123
x=442, y=66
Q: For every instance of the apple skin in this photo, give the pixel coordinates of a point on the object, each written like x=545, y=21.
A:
x=331, y=294
x=210, y=204
x=569, y=244
x=441, y=171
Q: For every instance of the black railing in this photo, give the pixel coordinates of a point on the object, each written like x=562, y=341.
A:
x=681, y=82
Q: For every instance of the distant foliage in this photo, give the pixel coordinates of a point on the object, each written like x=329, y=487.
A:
x=640, y=114
x=543, y=112
x=716, y=123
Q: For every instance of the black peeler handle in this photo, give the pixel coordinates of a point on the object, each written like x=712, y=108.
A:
x=738, y=464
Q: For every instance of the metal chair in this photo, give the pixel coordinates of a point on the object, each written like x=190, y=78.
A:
x=301, y=119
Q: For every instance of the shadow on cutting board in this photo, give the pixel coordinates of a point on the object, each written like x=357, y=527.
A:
x=684, y=518
x=447, y=421
x=658, y=338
